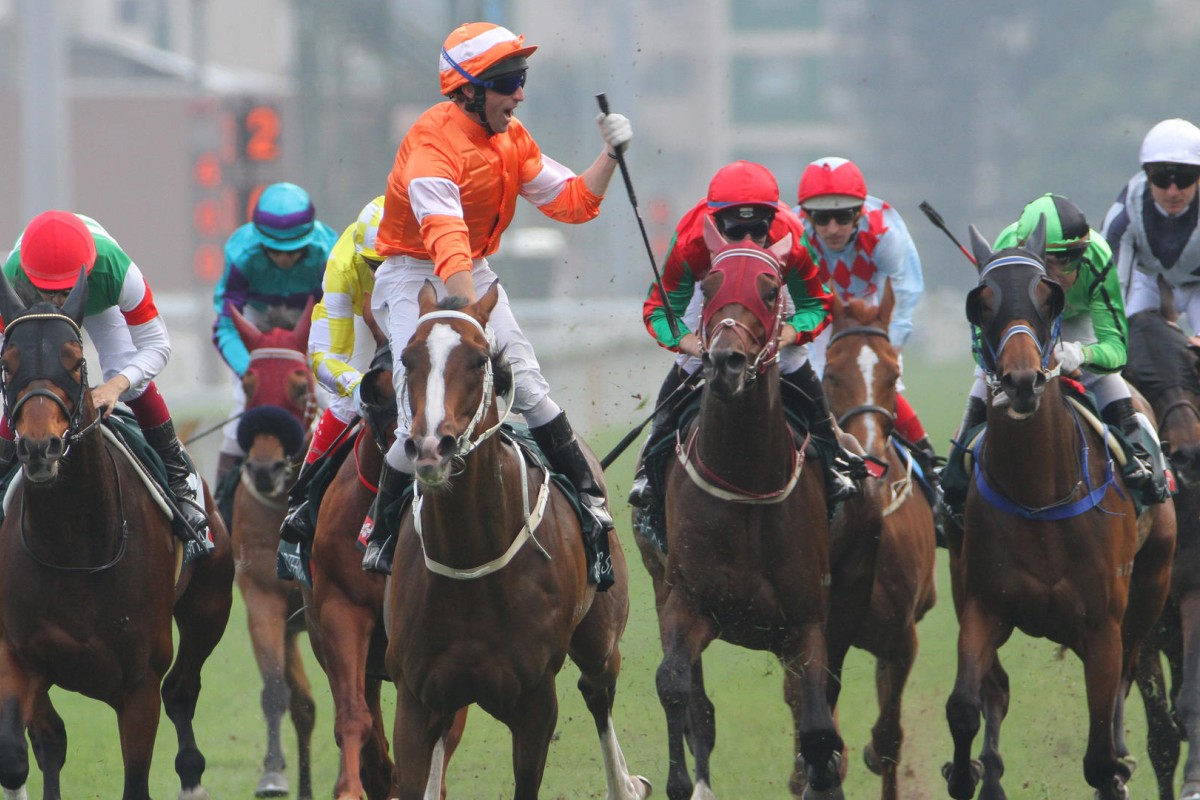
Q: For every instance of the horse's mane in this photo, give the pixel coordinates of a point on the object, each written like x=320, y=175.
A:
x=862, y=311
x=1159, y=356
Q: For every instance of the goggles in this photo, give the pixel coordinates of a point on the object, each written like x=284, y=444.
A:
x=506, y=84
x=737, y=231
x=1068, y=258
x=842, y=216
x=1163, y=175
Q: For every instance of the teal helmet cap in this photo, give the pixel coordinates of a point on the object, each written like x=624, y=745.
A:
x=284, y=217
x=1065, y=223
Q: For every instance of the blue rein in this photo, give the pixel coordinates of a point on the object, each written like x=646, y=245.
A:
x=1059, y=509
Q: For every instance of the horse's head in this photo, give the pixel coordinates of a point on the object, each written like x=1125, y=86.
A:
x=743, y=310
x=1016, y=307
x=452, y=378
x=44, y=377
x=862, y=368
x=1165, y=367
x=279, y=373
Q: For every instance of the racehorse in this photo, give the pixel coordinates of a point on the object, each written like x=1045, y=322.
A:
x=345, y=606
x=861, y=373
x=88, y=567
x=1165, y=366
x=280, y=403
x=489, y=590
x=1050, y=543
x=748, y=554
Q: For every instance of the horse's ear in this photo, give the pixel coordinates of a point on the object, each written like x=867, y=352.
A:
x=1166, y=300
x=11, y=306
x=781, y=249
x=427, y=298
x=981, y=249
x=249, y=333
x=484, y=305
x=1036, y=243
x=76, y=302
x=887, y=302
x=303, y=326
x=713, y=239
x=839, y=306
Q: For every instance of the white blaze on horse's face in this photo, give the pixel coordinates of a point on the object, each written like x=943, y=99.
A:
x=867, y=361
x=441, y=342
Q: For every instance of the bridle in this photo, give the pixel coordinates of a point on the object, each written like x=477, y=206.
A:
x=887, y=413
x=768, y=350
x=1044, y=340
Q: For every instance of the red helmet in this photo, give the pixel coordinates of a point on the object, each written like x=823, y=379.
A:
x=474, y=48
x=832, y=183
x=744, y=186
x=53, y=247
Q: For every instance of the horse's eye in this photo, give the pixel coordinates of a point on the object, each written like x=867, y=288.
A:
x=773, y=295
x=481, y=361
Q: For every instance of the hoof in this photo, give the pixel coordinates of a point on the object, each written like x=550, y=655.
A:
x=829, y=794
x=195, y=793
x=959, y=791
x=1118, y=791
x=16, y=794
x=272, y=784
x=647, y=787
x=871, y=759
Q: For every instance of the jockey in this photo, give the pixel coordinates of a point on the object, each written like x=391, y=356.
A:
x=1152, y=227
x=337, y=351
x=451, y=194
x=129, y=335
x=860, y=242
x=743, y=202
x=1093, y=336
x=273, y=265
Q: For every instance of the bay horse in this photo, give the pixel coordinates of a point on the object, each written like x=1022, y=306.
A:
x=1050, y=543
x=862, y=371
x=280, y=404
x=344, y=608
x=88, y=570
x=748, y=553
x=489, y=590
x=1165, y=367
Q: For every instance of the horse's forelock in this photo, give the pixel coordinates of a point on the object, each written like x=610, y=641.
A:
x=502, y=372
x=453, y=302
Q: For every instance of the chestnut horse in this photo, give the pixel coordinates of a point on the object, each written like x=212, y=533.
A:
x=280, y=403
x=1050, y=543
x=1165, y=366
x=748, y=553
x=88, y=568
x=345, y=606
x=861, y=374
x=489, y=591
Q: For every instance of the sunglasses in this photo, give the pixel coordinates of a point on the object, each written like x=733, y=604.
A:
x=842, y=216
x=735, y=232
x=1163, y=177
x=506, y=84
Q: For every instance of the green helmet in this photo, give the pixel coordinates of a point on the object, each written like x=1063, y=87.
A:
x=1066, y=227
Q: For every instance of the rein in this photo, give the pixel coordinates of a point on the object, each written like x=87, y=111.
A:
x=1184, y=403
x=715, y=485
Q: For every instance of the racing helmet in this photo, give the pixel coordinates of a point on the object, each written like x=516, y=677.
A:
x=54, y=246
x=742, y=192
x=832, y=183
x=1172, y=141
x=476, y=52
x=1067, y=230
x=284, y=217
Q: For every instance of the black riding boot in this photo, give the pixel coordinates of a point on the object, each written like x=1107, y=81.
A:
x=383, y=520
x=1139, y=470
x=184, y=483
x=298, y=524
x=954, y=480
x=561, y=448
x=802, y=393
x=640, y=490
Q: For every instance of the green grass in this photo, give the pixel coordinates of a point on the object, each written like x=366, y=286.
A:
x=1043, y=745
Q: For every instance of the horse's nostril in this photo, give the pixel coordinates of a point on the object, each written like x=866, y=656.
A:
x=446, y=444
x=410, y=449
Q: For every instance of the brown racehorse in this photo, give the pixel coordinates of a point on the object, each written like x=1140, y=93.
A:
x=1050, y=543
x=87, y=571
x=748, y=556
x=861, y=373
x=280, y=402
x=1165, y=366
x=489, y=591
x=345, y=610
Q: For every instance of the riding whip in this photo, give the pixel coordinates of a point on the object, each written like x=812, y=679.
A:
x=602, y=99
x=940, y=223
x=690, y=384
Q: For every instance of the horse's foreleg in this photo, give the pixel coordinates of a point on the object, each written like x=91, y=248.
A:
x=414, y=738
x=979, y=636
x=532, y=724
x=49, y=737
x=137, y=721
x=684, y=637
x=818, y=764
x=16, y=706
x=1102, y=674
x=266, y=612
x=1187, y=702
x=887, y=736
x=995, y=694
x=303, y=710
x=1162, y=736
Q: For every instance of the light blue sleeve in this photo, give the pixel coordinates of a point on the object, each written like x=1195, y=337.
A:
x=896, y=258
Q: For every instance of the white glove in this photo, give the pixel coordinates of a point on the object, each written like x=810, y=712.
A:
x=1069, y=355
x=615, y=129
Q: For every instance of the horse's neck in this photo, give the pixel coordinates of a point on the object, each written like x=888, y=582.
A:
x=1043, y=450
x=746, y=438
x=74, y=506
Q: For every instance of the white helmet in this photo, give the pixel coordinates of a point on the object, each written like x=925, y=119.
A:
x=1173, y=141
